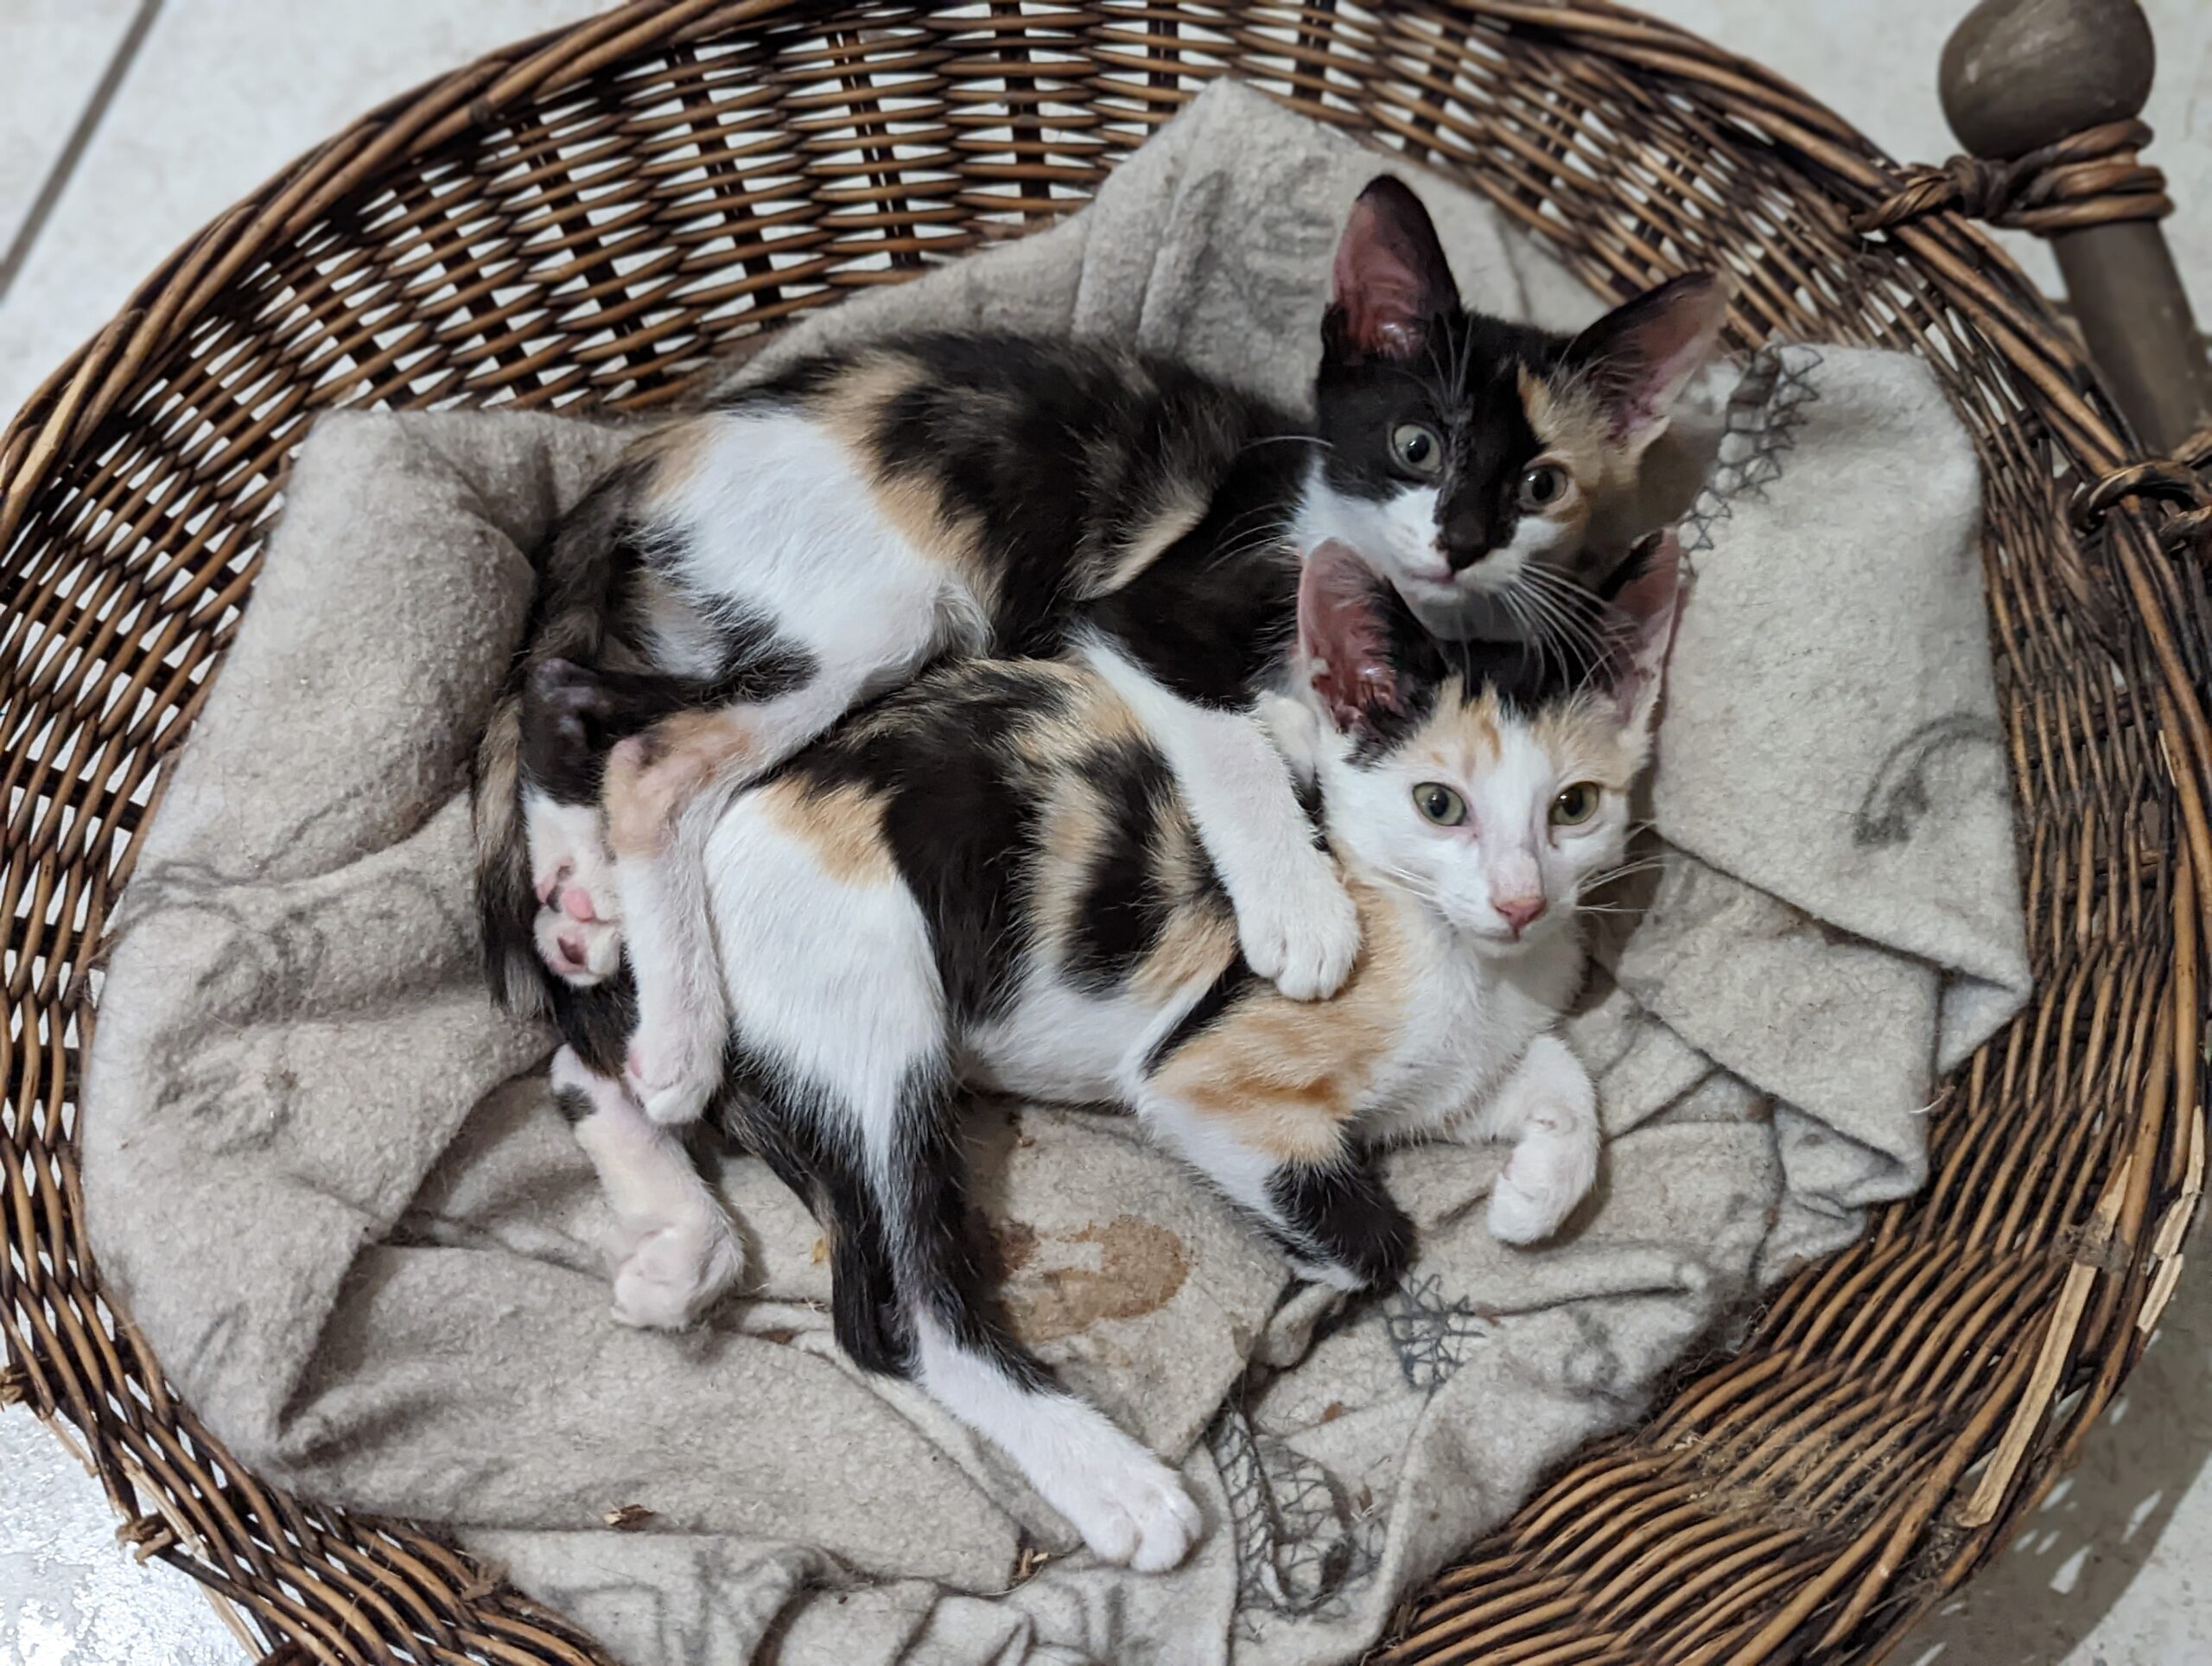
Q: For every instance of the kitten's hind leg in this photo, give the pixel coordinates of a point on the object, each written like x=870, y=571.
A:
x=846, y=1093
x=677, y=1253
x=665, y=791
x=1129, y=1507
x=1549, y=1109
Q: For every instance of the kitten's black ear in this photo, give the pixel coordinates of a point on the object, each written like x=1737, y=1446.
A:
x=1343, y=639
x=1641, y=355
x=1645, y=606
x=1390, y=278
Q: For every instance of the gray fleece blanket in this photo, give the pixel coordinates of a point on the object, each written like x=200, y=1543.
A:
x=328, y=1181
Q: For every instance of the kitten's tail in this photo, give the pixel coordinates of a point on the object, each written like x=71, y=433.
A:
x=578, y=570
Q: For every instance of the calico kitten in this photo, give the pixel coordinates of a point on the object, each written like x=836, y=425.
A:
x=748, y=574
x=992, y=875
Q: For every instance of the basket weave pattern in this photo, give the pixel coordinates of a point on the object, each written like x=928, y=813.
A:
x=585, y=219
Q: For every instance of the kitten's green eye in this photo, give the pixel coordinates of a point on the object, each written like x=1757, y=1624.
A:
x=1544, y=485
x=1576, y=805
x=1440, y=804
x=1416, y=446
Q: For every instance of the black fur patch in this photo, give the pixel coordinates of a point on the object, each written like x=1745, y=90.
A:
x=1340, y=1214
x=1122, y=912
x=758, y=1109
x=759, y=663
x=948, y=1260
x=596, y=1021
x=572, y=715
x=1213, y=618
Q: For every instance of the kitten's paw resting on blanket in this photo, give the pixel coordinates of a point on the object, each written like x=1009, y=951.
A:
x=1549, y=1110
x=1134, y=1512
x=675, y=1272
x=676, y=1251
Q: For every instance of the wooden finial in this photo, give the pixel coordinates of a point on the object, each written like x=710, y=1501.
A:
x=2020, y=73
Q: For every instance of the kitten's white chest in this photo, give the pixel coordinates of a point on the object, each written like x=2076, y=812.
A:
x=1467, y=1024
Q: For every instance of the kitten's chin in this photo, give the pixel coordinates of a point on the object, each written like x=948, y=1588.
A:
x=1496, y=941
x=1457, y=615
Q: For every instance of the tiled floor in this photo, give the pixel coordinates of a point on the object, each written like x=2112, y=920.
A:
x=125, y=123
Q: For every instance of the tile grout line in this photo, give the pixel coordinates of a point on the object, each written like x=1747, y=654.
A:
x=65, y=165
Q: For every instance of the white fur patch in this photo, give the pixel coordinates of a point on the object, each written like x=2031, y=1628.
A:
x=676, y=1253
x=835, y=984
x=1128, y=1506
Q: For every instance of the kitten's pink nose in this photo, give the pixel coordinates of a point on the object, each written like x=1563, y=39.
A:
x=1520, y=913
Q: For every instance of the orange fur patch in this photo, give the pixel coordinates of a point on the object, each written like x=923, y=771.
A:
x=1287, y=1077
x=1585, y=743
x=1459, y=738
x=913, y=503
x=651, y=776
x=1573, y=431
x=841, y=825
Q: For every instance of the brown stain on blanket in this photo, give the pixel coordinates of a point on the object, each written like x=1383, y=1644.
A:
x=1140, y=1268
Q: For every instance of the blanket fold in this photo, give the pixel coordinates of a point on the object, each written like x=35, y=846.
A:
x=326, y=1177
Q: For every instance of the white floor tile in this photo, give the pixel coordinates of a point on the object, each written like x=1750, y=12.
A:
x=69, y=1594
x=52, y=55
x=222, y=94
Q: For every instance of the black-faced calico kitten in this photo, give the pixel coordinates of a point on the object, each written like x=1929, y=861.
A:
x=991, y=877
x=758, y=568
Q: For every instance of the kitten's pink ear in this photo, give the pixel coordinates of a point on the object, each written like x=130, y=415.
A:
x=1642, y=354
x=1343, y=639
x=1391, y=278
x=1646, y=607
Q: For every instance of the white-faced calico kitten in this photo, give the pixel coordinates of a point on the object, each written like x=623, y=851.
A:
x=991, y=877
x=748, y=574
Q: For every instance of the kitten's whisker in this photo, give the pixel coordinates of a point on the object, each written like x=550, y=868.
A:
x=1285, y=439
x=1238, y=549
x=1595, y=881
x=1565, y=608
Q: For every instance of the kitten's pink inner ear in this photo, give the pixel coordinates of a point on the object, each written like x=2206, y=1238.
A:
x=1645, y=352
x=1341, y=633
x=1390, y=276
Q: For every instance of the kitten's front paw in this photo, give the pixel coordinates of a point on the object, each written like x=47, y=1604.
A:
x=1551, y=1171
x=676, y=1272
x=1302, y=935
x=673, y=1071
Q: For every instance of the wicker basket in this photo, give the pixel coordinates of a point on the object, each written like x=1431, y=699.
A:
x=586, y=218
